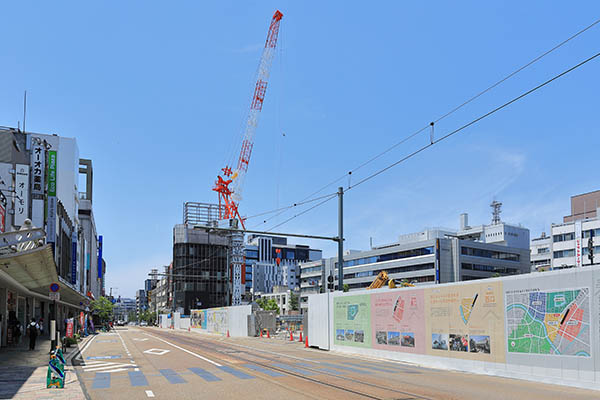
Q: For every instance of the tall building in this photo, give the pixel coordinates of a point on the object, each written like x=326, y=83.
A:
x=271, y=261
x=39, y=179
x=428, y=257
x=141, y=302
x=569, y=242
x=201, y=273
x=123, y=308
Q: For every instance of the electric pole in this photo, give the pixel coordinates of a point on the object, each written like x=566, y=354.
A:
x=341, y=238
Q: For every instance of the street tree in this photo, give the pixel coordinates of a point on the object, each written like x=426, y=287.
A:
x=103, y=308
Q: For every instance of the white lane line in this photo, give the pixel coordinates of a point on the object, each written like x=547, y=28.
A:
x=149, y=393
x=86, y=346
x=216, y=364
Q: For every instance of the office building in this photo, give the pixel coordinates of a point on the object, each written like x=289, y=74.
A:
x=428, y=257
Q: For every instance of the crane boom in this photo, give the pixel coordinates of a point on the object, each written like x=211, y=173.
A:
x=230, y=197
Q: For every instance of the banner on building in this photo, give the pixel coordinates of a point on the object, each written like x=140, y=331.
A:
x=6, y=188
x=100, y=257
x=21, y=194
x=2, y=213
x=51, y=212
x=578, y=243
x=74, y=258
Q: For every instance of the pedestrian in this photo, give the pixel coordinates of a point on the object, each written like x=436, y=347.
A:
x=17, y=332
x=41, y=326
x=32, y=332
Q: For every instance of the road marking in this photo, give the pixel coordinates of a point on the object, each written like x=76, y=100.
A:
x=293, y=369
x=137, y=378
x=358, y=371
x=103, y=357
x=172, y=376
x=235, y=372
x=272, y=352
x=187, y=351
x=86, y=346
x=101, y=380
x=267, y=371
x=328, y=370
x=207, y=376
x=157, y=352
x=149, y=393
x=140, y=339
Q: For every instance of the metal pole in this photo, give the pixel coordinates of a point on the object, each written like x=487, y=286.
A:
x=341, y=238
x=53, y=327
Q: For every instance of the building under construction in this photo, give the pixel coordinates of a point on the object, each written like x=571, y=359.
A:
x=201, y=271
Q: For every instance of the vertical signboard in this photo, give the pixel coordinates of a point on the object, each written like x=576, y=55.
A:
x=578, y=243
x=21, y=194
x=100, y=257
x=3, y=203
x=51, y=214
x=74, y=258
x=38, y=167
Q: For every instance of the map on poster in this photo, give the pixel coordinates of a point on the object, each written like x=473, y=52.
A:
x=549, y=322
x=352, y=320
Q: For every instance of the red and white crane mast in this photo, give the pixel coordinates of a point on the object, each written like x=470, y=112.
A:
x=230, y=197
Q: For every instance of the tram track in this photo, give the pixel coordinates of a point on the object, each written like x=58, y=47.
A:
x=235, y=353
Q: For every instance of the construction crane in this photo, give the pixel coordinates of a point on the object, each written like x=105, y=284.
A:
x=230, y=181
x=382, y=278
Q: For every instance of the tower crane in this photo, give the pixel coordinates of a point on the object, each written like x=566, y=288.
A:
x=230, y=181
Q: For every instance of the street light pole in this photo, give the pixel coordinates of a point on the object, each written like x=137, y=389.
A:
x=341, y=238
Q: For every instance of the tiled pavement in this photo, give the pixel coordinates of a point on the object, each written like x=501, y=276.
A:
x=23, y=373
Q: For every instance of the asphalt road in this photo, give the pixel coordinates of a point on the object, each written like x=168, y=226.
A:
x=142, y=363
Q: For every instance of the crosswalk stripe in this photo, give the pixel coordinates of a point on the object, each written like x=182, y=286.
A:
x=207, y=376
x=358, y=371
x=137, y=378
x=266, y=371
x=235, y=372
x=101, y=380
x=293, y=369
x=328, y=370
x=172, y=376
x=126, y=366
x=84, y=366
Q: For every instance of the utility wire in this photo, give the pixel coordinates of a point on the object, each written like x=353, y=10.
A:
x=452, y=133
x=533, y=61
x=331, y=196
x=290, y=206
x=475, y=120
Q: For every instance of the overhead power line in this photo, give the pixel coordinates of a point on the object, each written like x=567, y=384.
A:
x=305, y=200
x=452, y=133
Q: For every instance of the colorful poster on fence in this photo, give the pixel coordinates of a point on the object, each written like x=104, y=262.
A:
x=466, y=321
x=203, y=321
x=549, y=320
x=195, y=318
x=352, y=320
x=397, y=321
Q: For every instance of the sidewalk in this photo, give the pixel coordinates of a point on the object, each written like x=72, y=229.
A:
x=23, y=372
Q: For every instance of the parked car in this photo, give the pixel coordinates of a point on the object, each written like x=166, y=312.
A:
x=143, y=323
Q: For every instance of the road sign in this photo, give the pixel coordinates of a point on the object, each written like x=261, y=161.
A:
x=55, y=287
x=54, y=296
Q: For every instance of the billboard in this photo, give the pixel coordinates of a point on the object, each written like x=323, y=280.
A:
x=38, y=168
x=21, y=194
x=51, y=211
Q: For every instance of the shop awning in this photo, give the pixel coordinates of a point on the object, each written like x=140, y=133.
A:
x=35, y=269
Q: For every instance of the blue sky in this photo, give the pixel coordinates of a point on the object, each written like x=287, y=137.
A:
x=156, y=94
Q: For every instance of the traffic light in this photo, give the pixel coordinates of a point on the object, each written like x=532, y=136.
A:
x=330, y=282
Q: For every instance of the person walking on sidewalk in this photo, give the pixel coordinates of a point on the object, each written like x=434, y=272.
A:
x=32, y=329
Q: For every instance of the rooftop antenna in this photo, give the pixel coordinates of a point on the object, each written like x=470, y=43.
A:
x=24, y=109
x=496, y=210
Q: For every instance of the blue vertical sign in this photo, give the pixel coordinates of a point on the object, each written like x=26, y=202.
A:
x=100, y=257
x=74, y=259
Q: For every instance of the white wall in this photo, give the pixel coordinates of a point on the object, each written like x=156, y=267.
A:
x=571, y=357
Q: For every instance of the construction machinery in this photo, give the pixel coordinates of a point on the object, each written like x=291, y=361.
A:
x=235, y=174
x=382, y=278
x=230, y=183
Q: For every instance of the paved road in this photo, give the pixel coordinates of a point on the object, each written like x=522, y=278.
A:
x=143, y=363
